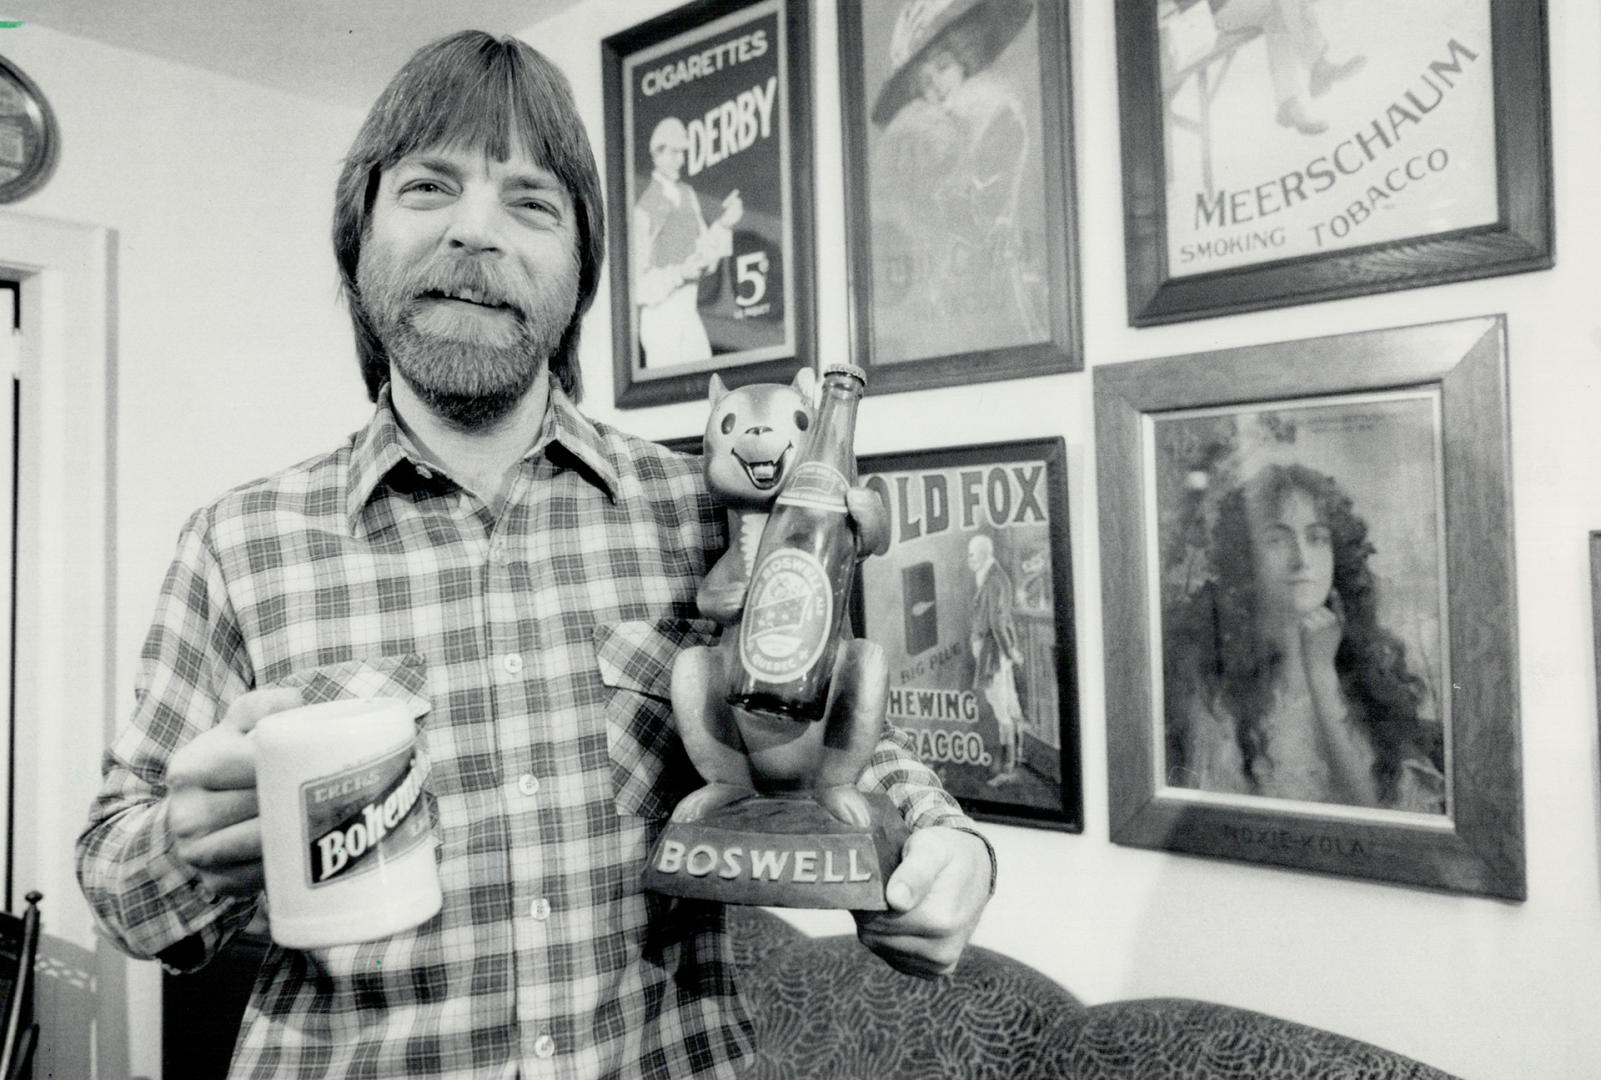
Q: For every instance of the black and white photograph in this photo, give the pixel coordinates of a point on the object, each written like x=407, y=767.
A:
x=1302, y=617
x=817, y=539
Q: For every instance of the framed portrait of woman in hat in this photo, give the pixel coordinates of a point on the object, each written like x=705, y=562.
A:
x=1281, y=152
x=708, y=173
x=959, y=190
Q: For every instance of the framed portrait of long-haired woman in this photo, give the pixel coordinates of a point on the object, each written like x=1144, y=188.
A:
x=1308, y=594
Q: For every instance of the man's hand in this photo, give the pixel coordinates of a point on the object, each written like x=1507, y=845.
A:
x=870, y=518
x=935, y=897
x=211, y=796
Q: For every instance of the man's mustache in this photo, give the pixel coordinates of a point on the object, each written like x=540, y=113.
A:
x=464, y=279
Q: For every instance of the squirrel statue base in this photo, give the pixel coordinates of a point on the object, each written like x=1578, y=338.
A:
x=780, y=851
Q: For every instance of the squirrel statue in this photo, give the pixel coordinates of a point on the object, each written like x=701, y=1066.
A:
x=753, y=437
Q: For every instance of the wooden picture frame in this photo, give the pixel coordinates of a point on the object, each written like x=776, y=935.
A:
x=685, y=444
x=1595, y=599
x=979, y=553
x=961, y=215
x=1412, y=425
x=1413, y=156
x=712, y=250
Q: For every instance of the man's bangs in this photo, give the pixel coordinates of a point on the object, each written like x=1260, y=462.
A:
x=493, y=106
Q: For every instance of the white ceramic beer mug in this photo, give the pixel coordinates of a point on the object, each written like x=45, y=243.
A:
x=345, y=834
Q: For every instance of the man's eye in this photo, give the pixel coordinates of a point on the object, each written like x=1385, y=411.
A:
x=538, y=207
x=423, y=192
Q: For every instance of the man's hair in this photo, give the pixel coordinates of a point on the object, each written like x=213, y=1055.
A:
x=475, y=91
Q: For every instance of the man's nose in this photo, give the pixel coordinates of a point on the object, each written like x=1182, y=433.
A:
x=477, y=224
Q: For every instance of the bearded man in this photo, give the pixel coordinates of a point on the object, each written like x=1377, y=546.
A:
x=524, y=577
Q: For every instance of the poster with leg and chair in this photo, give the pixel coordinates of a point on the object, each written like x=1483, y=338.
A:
x=1284, y=151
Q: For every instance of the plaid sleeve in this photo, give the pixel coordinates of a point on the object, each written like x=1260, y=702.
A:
x=143, y=897
x=897, y=771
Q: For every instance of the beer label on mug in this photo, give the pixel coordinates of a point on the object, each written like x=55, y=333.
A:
x=788, y=610
x=362, y=817
x=816, y=485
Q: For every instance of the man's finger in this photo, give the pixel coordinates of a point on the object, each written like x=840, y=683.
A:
x=238, y=845
x=221, y=759
x=197, y=811
x=912, y=879
x=912, y=955
x=248, y=709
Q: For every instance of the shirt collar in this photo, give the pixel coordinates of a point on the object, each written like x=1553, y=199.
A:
x=382, y=446
x=376, y=449
x=575, y=433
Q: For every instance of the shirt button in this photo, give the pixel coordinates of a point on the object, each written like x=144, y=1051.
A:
x=528, y=784
x=514, y=663
x=497, y=552
x=540, y=909
x=544, y=1047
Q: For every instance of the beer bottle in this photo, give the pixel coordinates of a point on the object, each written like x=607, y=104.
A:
x=800, y=583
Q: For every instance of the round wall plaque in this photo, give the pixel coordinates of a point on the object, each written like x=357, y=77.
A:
x=29, y=138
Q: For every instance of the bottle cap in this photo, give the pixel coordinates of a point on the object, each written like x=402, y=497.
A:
x=846, y=369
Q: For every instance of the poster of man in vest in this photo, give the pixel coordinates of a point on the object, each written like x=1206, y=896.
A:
x=707, y=146
x=972, y=605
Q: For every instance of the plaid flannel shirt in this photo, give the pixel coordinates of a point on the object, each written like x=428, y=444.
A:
x=537, y=648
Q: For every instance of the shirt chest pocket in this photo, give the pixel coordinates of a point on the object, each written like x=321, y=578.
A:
x=402, y=677
x=650, y=771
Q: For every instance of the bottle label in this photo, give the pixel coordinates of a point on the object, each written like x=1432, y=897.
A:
x=816, y=485
x=788, y=610
x=362, y=817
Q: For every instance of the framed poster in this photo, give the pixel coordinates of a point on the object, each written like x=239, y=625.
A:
x=959, y=190
x=1281, y=152
x=685, y=444
x=1595, y=599
x=973, y=606
x=708, y=147
x=1307, y=586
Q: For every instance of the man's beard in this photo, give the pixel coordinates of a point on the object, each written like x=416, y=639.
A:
x=468, y=371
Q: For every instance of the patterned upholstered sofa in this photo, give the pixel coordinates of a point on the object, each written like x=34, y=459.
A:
x=826, y=1009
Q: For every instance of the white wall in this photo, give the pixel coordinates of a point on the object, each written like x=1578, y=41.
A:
x=233, y=358
x=220, y=194
x=1482, y=988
